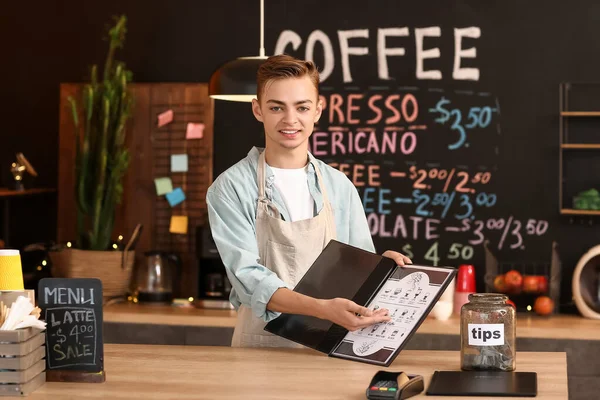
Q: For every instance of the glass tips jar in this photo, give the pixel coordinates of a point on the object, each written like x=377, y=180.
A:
x=488, y=333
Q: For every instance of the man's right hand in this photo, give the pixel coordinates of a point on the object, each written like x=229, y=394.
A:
x=344, y=313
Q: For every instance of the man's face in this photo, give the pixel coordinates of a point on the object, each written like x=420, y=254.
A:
x=288, y=109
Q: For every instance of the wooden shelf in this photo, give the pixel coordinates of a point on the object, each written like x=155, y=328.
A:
x=579, y=146
x=571, y=211
x=4, y=192
x=580, y=113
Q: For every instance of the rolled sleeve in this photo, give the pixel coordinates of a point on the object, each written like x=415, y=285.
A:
x=262, y=295
x=233, y=231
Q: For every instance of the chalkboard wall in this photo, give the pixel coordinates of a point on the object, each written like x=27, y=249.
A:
x=393, y=105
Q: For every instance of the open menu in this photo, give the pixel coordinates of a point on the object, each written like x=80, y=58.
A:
x=370, y=280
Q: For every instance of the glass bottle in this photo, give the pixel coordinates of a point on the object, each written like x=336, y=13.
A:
x=488, y=333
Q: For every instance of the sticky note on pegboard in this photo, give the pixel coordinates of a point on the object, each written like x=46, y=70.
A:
x=194, y=131
x=175, y=197
x=165, y=118
x=179, y=163
x=163, y=186
x=179, y=224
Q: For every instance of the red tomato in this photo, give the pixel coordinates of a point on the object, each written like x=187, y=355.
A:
x=543, y=305
x=513, y=280
x=542, y=284
x=500, y=284
x=509, y=301
x=531, y=284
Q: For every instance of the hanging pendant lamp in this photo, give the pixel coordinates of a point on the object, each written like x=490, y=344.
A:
x=236, y=79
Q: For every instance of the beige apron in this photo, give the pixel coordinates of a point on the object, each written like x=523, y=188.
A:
x=286, y=248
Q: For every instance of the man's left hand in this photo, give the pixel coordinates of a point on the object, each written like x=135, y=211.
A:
x=399, y=258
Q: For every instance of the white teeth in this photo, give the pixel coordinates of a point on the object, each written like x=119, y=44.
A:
x=288, y=132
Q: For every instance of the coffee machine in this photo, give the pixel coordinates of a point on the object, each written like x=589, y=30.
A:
x=213, y=285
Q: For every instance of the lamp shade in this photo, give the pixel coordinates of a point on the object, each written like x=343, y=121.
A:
x=236, y=79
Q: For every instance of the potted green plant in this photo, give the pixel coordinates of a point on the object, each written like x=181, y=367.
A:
x=101, y=161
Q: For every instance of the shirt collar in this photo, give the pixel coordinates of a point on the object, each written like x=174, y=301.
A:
x=255, y=152
x=273, y=195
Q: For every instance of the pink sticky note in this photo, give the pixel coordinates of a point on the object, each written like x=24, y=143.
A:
x=194, y=131
x=165, y=117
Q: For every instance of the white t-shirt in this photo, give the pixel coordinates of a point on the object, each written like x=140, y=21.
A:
x=292, y=184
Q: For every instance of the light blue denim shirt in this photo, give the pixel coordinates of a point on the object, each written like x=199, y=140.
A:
x=232, y=203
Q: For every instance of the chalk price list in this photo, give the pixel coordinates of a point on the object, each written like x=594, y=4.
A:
x=390, y=124
x=383, y=139
x=460, y=193
x=451, y=179
x=513, y=235
x=72, y=336
x=426, y=203
x=476, y=117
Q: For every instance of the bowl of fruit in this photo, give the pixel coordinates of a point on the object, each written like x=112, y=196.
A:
x=525, y=290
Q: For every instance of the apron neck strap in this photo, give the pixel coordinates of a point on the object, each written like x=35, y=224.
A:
x=321, y=183
x=260, y=174
x=262, y=199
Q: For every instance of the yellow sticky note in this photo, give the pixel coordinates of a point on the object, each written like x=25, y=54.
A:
x=179, y=224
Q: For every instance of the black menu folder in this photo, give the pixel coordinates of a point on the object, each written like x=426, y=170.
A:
x=483, y=383
x=369, y=280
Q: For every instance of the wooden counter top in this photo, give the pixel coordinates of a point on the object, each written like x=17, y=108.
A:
x=168, y=315
x=529, y=326
x=183, y=372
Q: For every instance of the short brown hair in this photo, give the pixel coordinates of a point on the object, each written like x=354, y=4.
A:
x=283, y=67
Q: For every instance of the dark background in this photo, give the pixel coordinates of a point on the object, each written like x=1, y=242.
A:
x=526, y=50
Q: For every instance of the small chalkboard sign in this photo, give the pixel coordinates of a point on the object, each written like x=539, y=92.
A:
x=72, y=309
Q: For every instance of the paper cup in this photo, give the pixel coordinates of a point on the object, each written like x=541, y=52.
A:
x=11, y=272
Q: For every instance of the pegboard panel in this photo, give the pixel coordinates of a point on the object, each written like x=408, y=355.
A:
x=188, y=106
x=151, y=148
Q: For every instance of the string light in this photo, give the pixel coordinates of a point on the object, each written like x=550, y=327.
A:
x=528, y=308
x=190, y=299
x=120, y=237
x=44, y=263
x=115, y=246
x=68, y=244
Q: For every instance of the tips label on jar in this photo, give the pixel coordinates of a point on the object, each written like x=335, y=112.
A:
x=486, y=334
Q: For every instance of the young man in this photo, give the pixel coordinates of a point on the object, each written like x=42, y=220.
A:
x=272, y=213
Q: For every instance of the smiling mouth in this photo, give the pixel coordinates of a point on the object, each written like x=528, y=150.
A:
x=289, y=133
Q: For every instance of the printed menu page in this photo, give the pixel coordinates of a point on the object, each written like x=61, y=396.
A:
x=408, y=294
